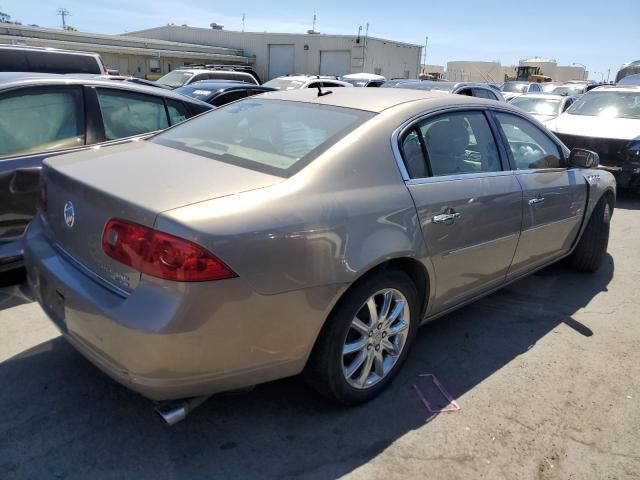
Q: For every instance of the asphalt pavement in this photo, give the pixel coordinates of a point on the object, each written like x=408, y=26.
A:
x=546, y=372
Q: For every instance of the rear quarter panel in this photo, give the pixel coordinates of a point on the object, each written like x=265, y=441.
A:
x=346, y=212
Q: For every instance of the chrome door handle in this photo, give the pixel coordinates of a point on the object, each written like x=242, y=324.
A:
x=446, y=218
x=536, y=201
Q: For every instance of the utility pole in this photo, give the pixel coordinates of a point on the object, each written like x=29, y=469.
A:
x=608, y=74
x=64, y=13
x=364, y=49
x=314, y=21
x=243, y=17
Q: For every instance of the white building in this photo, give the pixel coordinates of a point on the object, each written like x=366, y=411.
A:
x=131, y=56
x=279, y=54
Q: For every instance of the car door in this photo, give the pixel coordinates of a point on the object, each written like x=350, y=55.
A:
x=554, y=196
x=468, y=203
x=35, y=123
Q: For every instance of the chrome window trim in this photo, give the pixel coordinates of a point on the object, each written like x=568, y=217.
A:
x=458, y=177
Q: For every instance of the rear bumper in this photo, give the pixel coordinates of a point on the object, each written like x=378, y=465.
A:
x=171, y=340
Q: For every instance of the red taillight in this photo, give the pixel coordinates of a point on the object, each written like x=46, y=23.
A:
x=43, y=196
x=160, y=254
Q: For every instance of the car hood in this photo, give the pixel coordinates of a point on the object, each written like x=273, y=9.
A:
x=591, y=126
x=157, y=178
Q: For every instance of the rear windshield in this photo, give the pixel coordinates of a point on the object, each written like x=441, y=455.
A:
x=272, y=136
x=284, y=84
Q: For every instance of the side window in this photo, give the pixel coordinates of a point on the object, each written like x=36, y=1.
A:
x=530, y=147
x=482, y=93
x=567, y=104
x=177, y=111
x=229, y=97
x=331, y=84
x=41, y=119
x=412, y=153
x=125, y=113
x=534, y=87
x=314, y=85
x=466, y=92
x=456, y=143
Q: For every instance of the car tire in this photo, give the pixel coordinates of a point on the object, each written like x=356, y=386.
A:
x=592, y=247
x=327, y=368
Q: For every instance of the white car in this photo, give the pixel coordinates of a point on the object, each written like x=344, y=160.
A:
x=363, y=79
x=513, y=89
x=543, y=106
x=607, y=121
x=296, y=82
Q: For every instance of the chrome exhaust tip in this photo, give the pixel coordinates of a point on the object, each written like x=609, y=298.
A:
x=175, y=411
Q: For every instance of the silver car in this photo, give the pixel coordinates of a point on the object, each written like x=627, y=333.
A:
x=297, y=232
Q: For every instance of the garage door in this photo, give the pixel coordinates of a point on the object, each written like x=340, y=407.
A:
x=334, y=62
x=281, y=60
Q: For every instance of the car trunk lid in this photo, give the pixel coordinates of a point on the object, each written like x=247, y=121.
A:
x=134, y=182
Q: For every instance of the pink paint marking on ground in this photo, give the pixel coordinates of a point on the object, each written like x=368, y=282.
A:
x=451, y=407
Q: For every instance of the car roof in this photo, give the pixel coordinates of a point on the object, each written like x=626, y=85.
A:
x=617, y=88
x=220, y=84
x=212, y=70
x=9, y=80
x=4, y=46
x=547, y=96
x=375, y=100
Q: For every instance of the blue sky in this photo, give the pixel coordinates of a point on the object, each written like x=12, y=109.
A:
x=599, y=35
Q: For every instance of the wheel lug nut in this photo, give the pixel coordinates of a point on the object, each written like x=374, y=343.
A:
x=368, y=347
x=384, y=334
x=370, y=334
x=379, y=326
x=377, y=348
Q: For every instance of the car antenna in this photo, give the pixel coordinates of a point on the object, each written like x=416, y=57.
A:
x=320, y=92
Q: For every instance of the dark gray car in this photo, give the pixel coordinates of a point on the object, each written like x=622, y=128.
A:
x=43, y=115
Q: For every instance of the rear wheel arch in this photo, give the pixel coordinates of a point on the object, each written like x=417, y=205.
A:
x=416, y=271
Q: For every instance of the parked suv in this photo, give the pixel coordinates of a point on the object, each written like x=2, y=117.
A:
x=194, y=73
x=42, y=116
x=219, y=93
x=49, y=60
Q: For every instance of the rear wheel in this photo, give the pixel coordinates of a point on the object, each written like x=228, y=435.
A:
x=366, y=338
x=592, y=247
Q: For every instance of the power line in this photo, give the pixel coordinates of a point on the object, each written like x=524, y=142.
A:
x=64, y=13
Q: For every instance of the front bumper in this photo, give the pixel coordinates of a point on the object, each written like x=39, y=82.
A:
x=171, y=340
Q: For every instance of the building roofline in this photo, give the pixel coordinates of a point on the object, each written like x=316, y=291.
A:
x=236, y=32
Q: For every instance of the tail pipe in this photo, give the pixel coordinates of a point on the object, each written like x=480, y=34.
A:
x=175, y=411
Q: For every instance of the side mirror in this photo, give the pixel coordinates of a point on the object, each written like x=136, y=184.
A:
x=582, y=158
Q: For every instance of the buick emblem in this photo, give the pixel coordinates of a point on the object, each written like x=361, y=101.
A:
x=69, y=214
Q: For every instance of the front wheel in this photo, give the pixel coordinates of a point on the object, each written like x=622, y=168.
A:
x=366, y=339
x=592, y=247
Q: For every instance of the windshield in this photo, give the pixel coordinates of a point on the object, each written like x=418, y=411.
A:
x=608, y=104
x=356, y=82
x=175, y=79
x=538, y=106
x=514, y=87
x=284, y=84
x=272, y=136
x=569, y=90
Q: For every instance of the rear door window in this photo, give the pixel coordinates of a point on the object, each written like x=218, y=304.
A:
x=41, y=119
x=530, y=147
x=177, y=111
x=126, y=113
x=456, y=143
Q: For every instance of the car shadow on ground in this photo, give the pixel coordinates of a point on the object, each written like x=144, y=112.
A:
x=13, y=289
x=628, y=199
x=70, y=421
